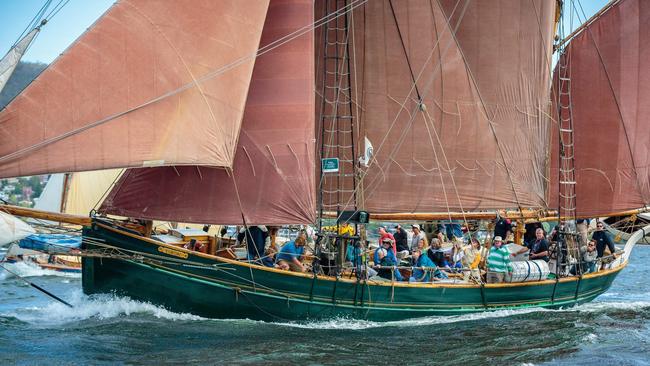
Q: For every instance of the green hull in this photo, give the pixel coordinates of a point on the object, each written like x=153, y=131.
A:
x=231, y=289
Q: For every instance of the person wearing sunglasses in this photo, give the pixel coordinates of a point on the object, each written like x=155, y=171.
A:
x=589, y=257
x=602, y=239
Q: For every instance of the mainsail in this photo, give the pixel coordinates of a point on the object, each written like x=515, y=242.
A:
x=10, y=61
x=272, y=179
x=609, y=72
x=151, y=83
x=455, y=97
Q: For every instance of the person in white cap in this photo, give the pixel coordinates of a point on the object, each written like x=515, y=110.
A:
x=417, y=236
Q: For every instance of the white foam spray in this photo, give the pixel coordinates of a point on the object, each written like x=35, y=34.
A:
x=27, y=269
x=101, y=307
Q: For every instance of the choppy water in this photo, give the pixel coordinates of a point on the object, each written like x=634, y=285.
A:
x=614, y=329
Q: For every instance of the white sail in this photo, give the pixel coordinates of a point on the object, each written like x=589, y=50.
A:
x=50, y=199
x=10, y=61
x=13, y=229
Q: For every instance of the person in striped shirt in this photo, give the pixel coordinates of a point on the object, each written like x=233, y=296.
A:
x=498, y=261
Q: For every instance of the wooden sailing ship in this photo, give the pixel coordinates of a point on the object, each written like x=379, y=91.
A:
x=222, y=109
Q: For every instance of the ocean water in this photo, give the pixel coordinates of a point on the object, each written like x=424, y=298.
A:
x=35, y=330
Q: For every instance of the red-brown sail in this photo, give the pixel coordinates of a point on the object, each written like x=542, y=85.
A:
x=480, y=140
x=71, y=117
x=274, y=163
x=609, y=70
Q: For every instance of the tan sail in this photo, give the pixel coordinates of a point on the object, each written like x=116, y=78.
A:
x=272, y=180
x=609, y=62
x=151, y=83
x=86, y=190
x=479, y=140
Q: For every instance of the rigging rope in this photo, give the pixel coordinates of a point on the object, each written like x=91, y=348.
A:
x=406, y=55
x=56, y=9
x=403, y=107
x=261, y=51
x=35, y=20
x=489, y=120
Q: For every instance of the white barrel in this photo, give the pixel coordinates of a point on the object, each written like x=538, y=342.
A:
x=524, y=271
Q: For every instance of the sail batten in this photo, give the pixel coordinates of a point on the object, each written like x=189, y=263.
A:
x=132, y=91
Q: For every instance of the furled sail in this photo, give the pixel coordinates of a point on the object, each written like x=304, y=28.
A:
x=151, y=83
x=454, y=96
x=272, y=181
x=10, y=61
x=609, y=63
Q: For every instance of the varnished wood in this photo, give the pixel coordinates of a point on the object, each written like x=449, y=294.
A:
x=46, y=215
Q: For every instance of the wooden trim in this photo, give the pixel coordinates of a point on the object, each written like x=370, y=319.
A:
x=46, y=215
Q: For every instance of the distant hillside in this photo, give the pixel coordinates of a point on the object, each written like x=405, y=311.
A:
x=25, y=72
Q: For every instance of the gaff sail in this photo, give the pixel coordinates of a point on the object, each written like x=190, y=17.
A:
x=272, y=180
x=609, y=63
x=12, y=58
x=150, y=83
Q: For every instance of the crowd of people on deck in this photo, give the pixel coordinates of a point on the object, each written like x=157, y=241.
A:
x=407, y=255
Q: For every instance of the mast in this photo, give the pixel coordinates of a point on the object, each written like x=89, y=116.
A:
x=567, y=175
x=64, y=192
x=587, y=23
x=337, y=188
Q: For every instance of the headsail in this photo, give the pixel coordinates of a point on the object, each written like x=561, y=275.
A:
x=479, y=139
x=13, y=229
x=609, y=63
x=10, y=61
x=274, y=163
x=151, y=83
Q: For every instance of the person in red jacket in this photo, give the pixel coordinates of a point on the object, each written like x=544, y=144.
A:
x=383, y=234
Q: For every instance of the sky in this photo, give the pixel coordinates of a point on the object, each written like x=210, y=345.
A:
x=66, y=26
x=78, y=15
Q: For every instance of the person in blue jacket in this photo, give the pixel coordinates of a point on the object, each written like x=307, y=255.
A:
x=291, y=255
x=422, y=275
x=388, y=260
